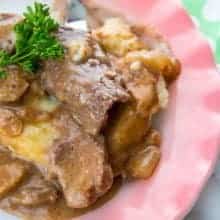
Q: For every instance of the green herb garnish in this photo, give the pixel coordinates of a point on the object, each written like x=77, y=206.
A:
x=35, y=41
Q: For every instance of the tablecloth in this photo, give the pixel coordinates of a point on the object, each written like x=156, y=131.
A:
x=206, y=15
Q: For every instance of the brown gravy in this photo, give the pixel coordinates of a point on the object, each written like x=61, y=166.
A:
x=58, y=210
x=55, y=211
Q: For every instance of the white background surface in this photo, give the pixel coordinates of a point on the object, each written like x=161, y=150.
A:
x=16, y=6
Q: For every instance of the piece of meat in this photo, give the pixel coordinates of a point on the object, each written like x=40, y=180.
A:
x=7, y=37
x=13, y=87
x=60, y=148
x=12, y=171
x=10, y=123
x=21, y=183
x=35, y=192
x=80, y=164
x=85, y=86
x=11, y=175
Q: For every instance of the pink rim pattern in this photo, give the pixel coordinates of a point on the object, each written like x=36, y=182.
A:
x=190, y=127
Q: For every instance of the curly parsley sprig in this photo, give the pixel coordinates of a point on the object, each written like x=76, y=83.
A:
x=35, y=41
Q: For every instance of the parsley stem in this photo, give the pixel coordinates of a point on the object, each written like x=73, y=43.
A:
x=21, y=58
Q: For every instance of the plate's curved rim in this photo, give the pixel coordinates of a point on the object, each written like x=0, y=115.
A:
x=208, y=63
x=171, y=13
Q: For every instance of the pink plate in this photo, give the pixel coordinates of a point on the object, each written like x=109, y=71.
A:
x=190, y=127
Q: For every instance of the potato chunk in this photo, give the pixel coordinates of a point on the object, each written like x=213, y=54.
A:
x=125, y=131
x=34, y=142
x=32, y=138
x=117, y=38
x=156, y=62
x=143, y=163
x=34, y=193
x=11, y=174
x=10, y=123
x=12, y=87
x=153, y=138
x=80, y=50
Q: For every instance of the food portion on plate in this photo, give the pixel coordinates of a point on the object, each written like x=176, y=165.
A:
x=77, y=110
